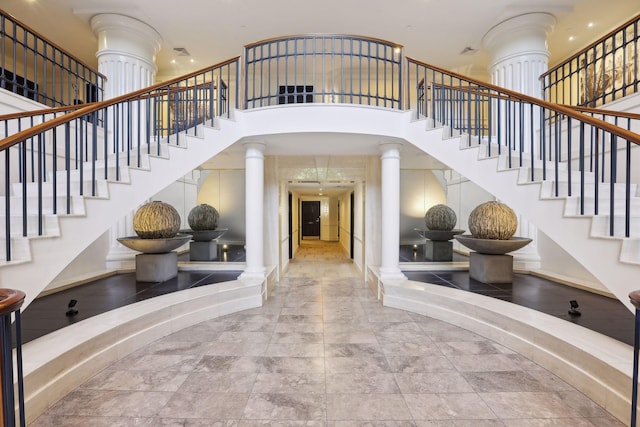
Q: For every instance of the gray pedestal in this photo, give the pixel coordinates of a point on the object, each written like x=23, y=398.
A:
x=491, y=268
x=156, y=267
x=203, y=251
x=435, y=250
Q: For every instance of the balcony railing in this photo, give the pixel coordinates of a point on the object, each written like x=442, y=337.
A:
x=604, y=71
x=38, y=69
x=324, y=69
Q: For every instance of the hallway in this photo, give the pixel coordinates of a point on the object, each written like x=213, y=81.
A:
x=323, y=352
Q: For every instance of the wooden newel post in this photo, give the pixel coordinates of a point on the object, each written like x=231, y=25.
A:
x=10, y=303
x=634, y=297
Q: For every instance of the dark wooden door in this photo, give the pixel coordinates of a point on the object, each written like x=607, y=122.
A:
x=310, y=219
x=290, y=226
x=351, y=226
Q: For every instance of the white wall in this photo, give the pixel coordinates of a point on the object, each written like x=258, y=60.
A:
x=224, y=190
x=419, y=190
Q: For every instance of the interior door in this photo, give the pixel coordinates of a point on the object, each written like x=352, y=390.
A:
x=310, y=219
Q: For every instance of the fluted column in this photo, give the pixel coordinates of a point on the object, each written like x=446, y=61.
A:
x=519, y=52
x=254, y=212
x=126, y=55
x=519, y=55
x=390, y=213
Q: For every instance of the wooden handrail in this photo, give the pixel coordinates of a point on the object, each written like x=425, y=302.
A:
x=10, y=300
x=591, y=46
x=294, y=36
x=559, y=108
x=51, y=43
x=95, y=106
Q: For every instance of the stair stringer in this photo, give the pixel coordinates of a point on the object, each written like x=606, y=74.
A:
x=601, y=257
x=50, y=255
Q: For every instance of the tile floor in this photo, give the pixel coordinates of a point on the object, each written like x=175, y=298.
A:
x=323, y=352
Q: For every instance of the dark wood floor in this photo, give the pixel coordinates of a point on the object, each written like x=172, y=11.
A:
x=605, y=315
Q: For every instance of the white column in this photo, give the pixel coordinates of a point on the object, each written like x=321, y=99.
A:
x=519, y=55
x=126, y=55
x=519, y=52
x=390, y=213
x=254, y=212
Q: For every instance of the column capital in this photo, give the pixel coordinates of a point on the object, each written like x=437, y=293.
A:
x=254, y=145
x=121, y=34
x=520, y=35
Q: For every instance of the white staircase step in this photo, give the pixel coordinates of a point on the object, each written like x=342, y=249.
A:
x=76, y=205
x=102, y=188
x=524, y=174
x=547, y=189
x=572, y=206
x=20, y=250
x=600, y=226
x=50, y=226
x=114, y=174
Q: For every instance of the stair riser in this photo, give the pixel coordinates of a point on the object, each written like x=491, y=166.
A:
x=76, y=205
x=572, y=206
x=600, y=227
x=47, y=189
x=548, y=190
x=50, y=226
x=20, y=250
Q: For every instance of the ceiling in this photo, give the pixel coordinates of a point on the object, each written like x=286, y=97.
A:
x=433, y=31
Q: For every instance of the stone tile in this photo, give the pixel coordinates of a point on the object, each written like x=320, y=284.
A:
x=468, y=406
x=528, y=405
x=358, y=337
x=432, y=382
x=367, y=407
x=108, y=403
x=396, y=349
x=409, y=364
x=216, y=406
x=300, y=318
x=549, y=381
x=186, y=422
x=484, y=363
x=297, y=337
x=279, y=406
x=304, y=309
x=309, y=383
x=284, y=423
x=241, y=337
x=459, y=423
x=361, y=382
x=453, y=333
x=404, y=423
x=486, y=382
x=295, y=350
x=582, y=404
x=249, y=327
x=219, y=382
x=244, y=348
x=229, y=364
x=334, y=365
x=299, y=327
x=136, y=380
x=152, y=362
x=352, y=350
x=552, y=422
x=292, y=364
x=406, y=326
x=84, y=421
x=467, y=348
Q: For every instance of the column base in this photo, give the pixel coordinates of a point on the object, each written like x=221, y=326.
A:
x=394, y=275
x=437, y=250
x=156, y=267
x=488, y=268
x=203, y=251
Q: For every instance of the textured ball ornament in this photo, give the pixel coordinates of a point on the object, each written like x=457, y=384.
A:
x=156, y=220
x=440, y=217
x=493, y=220
x=203, y=217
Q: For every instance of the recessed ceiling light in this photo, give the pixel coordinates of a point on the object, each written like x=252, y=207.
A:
x=173, y=61
x=192, y=60
x=590, y=25
x=571, y=38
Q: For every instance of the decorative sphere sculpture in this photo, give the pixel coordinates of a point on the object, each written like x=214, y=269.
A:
x=440, y=217
x=203, y=217
x=493, y=220
x=156, y=220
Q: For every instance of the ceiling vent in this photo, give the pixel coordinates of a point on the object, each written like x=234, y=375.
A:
x=181, y=51
x=468, y=51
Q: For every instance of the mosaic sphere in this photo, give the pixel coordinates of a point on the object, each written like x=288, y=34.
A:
x=493, y=220
x=156, y=220
x=440, y=217
x=203, y=217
